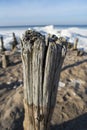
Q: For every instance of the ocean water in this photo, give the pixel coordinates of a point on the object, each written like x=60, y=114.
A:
x=24, y=27
x=68, y=31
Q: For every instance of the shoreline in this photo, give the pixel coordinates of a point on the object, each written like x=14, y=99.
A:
x=69, y=33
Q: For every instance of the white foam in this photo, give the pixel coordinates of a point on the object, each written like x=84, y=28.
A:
x=47, y=29
x=73, y=33
x=8, y=37
x=70, y=33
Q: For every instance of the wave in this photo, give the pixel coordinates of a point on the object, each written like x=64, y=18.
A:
x=70, y=33
x=8, y=37
x=47, y=29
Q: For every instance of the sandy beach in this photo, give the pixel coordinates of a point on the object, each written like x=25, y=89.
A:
x=43, y=65
x=71, y=104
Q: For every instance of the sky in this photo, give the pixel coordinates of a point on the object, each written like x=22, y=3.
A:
x=43, y=12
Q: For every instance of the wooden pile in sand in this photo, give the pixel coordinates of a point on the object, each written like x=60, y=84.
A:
x=5, y=53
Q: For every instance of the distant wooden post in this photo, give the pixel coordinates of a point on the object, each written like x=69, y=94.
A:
x=75, y=44
x=14, y=42
x=5, y=60
x=1, y=44
x=41, y=67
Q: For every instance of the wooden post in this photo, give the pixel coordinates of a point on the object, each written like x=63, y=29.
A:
x=69, y=45
x=41, y=67
x=14, y=42
x=75, y=44
x=1, y=44
x=5, y=60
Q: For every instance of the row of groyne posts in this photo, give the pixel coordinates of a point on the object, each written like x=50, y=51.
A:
x=4, y=53
x=42, y=59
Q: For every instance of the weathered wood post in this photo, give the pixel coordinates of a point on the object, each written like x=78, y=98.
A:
x=1, y=44
x=14, y=42
x=5, y=60
x=75, y=44
x=41, y=67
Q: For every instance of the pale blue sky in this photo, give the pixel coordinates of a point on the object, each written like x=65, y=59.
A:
x=38, y=12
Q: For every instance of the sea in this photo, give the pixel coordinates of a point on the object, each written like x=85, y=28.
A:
x=68, y=31
x=25, y=27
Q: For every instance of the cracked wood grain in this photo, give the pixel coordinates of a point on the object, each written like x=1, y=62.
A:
x=42, y=64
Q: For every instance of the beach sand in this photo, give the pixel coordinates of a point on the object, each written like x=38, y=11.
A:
x=71, y=106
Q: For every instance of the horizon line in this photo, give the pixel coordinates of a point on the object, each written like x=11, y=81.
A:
x=23, y=25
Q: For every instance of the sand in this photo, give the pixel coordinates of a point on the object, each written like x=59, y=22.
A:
x=71, y=106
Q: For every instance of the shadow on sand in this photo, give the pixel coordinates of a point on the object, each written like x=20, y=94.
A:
x=75, y=64
x=15, y=63
x=11, y=85
x=79, y=123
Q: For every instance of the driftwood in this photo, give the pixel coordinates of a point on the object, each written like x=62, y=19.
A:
x=41, y=67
